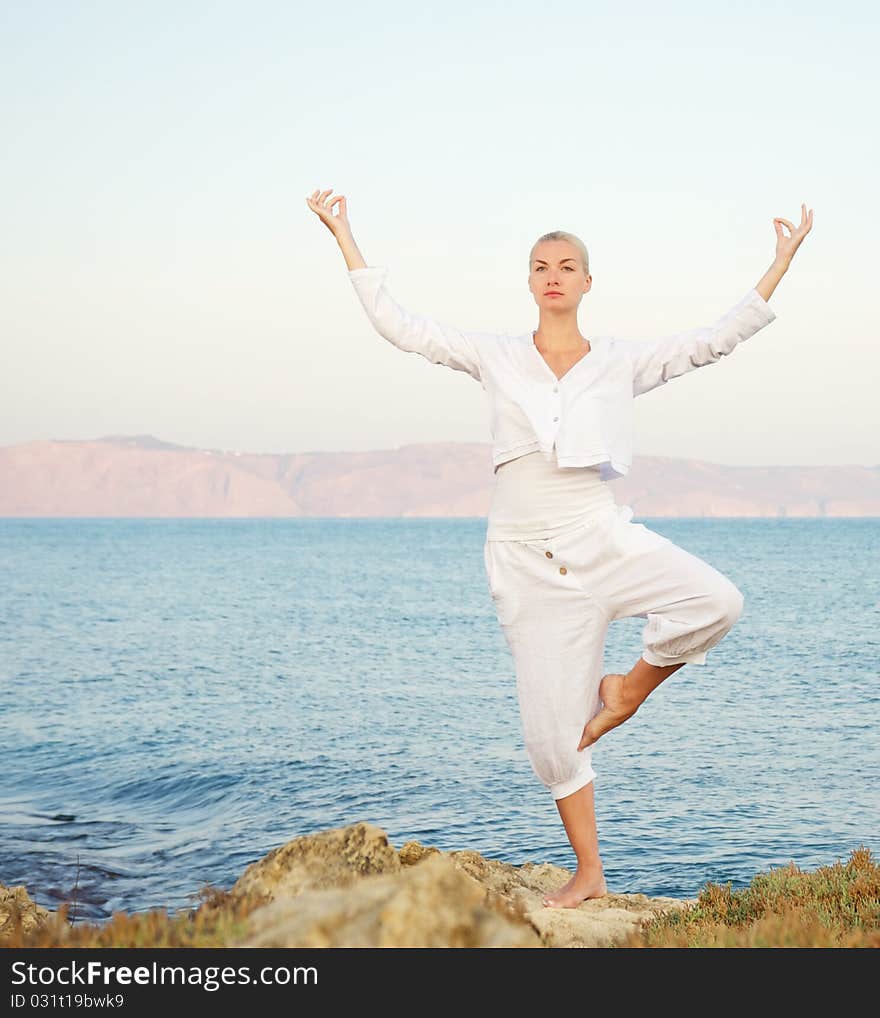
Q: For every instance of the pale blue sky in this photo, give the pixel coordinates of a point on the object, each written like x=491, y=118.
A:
x=162, y=273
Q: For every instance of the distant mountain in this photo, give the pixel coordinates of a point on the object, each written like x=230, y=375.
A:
x=140, y=475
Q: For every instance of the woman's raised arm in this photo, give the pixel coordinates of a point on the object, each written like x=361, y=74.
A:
x=440, y=344
x=656, y=361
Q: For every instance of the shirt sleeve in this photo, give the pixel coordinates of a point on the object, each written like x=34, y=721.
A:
x=656, y=361
x=440, y=344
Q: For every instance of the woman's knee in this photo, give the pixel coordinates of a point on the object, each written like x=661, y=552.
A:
x=728, y=604
x=695, y=627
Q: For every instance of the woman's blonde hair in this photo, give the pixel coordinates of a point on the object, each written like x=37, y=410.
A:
x=572, y=239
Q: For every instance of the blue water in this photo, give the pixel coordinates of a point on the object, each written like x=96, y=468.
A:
x=181, y=696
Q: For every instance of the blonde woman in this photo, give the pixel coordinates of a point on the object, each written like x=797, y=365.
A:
x=563, y=559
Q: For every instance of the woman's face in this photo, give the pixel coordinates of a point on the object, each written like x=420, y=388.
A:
x=556, y=276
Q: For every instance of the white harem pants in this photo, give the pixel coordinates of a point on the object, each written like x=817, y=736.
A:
x=555, y=598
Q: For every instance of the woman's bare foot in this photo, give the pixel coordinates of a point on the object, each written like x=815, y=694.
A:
x=583, y=885
x=617, y=708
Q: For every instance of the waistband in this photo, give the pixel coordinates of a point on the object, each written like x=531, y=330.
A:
x=496, y=533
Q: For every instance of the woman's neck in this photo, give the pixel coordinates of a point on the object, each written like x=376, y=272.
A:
x=558, y=335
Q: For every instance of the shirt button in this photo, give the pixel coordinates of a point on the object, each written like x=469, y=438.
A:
x=549, y=554
x=556, y=388
x=563, y=570
x=555, y=418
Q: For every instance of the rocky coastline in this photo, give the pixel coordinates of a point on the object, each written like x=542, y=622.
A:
x=350, y=887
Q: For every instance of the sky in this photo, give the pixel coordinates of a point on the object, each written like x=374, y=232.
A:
x=161, y=273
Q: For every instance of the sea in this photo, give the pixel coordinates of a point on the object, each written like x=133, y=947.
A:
x=180, y=696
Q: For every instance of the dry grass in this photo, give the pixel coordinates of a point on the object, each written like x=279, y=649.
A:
x=216, y=922
x=833, y=906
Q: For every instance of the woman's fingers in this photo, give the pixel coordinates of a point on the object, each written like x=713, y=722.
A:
x=324, y=210
x=318, y=197
x=806, y=222
x=787, y=244
x=805, y=225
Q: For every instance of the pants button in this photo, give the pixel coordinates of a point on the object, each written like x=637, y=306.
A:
x=549, y=554
x=563, y=570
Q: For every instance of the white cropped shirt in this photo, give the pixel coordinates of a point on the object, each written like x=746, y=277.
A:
x=587, y=415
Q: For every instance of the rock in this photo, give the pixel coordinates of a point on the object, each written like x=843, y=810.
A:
x=349, y=888
x=598, y=922
x=328, y=859
x=15, y=900
x=413, y=851
x=431, y=903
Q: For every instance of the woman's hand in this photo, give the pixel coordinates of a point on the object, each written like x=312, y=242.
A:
x=787, y=245
x=785, y=249
x=337, y=224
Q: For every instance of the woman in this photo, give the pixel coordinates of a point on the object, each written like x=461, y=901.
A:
x=563, y=560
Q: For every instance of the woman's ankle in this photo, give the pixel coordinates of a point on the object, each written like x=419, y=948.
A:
x=588, y=870
x=634, y=694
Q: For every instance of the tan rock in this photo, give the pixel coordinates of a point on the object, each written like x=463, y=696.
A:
x=413, y=851
x=598, y=922
x=16, y=901
x=349, y=888
x=431, y=903
x=327, y=859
